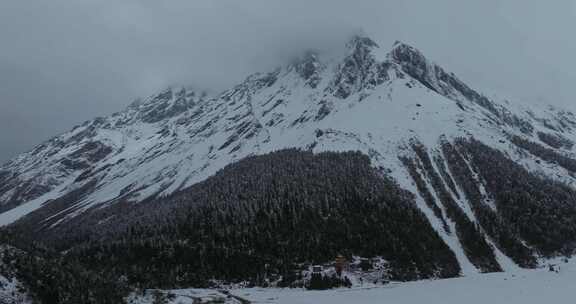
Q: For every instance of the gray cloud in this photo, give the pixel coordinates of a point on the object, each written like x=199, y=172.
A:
x=65, y=61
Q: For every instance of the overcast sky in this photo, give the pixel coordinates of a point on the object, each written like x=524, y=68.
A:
x=65, y=61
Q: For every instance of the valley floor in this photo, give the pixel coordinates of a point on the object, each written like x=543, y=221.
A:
x=519, y=287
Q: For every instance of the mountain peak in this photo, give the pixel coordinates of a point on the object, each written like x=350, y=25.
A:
x=360, y=69
x=414, y=63
x=204, y=131
x=358, y=42
x=169, y=102
x=399, y=43
x=405, y=53
x=409, y=116
x=309, y=67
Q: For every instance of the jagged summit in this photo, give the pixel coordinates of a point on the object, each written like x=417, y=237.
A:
x=168, y=103
x=359, y=41
x=309, y=68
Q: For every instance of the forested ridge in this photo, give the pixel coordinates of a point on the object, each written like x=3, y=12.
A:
x=51, y=278
x=475, y=246
x=261, y=218
x=265, y=218
x=539, y=210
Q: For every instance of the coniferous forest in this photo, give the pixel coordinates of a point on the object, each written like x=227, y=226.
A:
x=257, y=219
x=265, y=218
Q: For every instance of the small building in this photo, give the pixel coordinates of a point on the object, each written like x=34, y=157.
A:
x=317, y=269
x=339, y=264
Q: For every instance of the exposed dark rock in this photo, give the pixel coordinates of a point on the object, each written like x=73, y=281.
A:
x=323, y=111
x=92, y=151
x=544, y=153
x=359, y=70
x=309, y=69
x=555, y=140
x=436, y=79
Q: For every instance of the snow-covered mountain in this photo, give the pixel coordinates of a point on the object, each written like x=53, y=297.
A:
x=394, y=105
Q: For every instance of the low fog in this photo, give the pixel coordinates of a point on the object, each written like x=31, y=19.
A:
x=66, y=61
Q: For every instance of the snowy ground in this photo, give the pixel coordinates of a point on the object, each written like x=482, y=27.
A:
x=11, y=292
x=519, y=287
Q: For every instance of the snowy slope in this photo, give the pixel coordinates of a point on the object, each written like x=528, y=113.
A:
x=519, y=287
x=12, y=292
x=370, y=99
